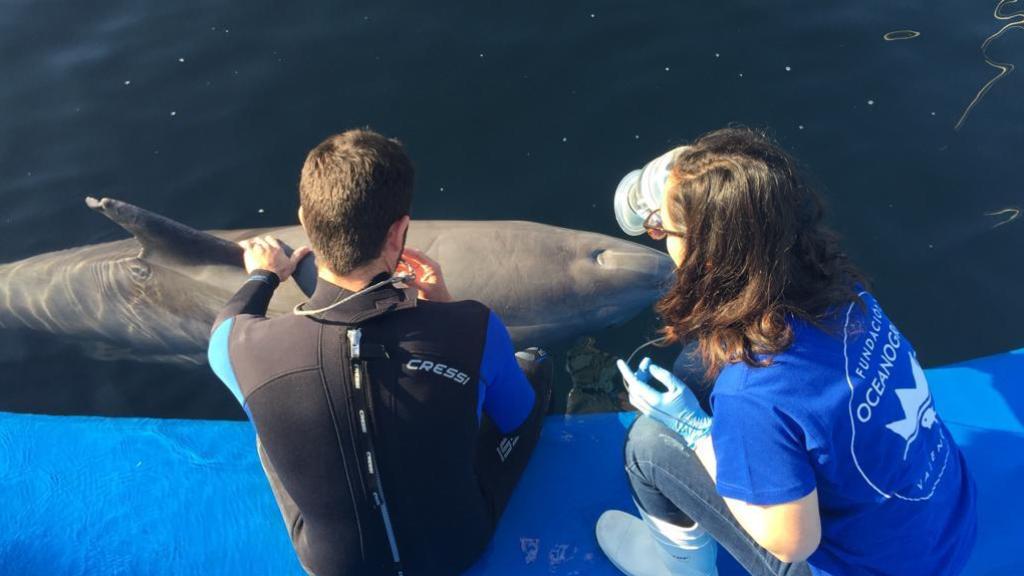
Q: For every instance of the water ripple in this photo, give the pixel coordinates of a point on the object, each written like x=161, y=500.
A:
x=1013, y=20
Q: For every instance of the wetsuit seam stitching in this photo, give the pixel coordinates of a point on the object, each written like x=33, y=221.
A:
x=277, y=377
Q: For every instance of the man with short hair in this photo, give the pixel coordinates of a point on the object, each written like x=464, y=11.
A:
x=392, y=422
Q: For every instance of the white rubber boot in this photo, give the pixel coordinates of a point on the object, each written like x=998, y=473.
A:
x=652, y=547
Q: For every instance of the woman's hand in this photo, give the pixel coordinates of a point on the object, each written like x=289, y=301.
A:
x=676, y=408
x=428, y=279
x=266, y=253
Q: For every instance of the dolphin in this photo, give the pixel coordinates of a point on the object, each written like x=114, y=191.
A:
x=153, y=297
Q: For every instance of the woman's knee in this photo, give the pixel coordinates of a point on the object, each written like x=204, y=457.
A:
x=650, y=441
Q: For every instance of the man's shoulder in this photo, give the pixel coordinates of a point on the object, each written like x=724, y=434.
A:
x=258, y=328
x=269, y=345
x=464, y=319
x=455, y=309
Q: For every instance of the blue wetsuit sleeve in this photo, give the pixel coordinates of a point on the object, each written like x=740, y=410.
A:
x=252, y=298
x=220, y=358
x=506, y=396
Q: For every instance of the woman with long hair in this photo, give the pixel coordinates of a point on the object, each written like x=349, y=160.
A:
x=823, y=452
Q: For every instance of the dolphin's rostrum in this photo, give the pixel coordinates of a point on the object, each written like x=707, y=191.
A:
x=153, y=297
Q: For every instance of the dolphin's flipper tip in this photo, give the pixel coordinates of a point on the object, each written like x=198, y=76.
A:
x=163, y=237
x=102, y=204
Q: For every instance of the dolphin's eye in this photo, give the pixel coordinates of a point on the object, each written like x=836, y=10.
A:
x=139, y=270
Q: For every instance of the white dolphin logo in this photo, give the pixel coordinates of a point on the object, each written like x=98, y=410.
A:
x=918, y=409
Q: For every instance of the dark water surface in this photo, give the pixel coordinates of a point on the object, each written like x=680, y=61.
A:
x=204, y=112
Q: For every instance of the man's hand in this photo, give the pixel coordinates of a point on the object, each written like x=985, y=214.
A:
x=428, y=278
x=266, y=253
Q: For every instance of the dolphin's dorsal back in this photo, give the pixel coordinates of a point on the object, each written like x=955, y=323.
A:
x=164, y=240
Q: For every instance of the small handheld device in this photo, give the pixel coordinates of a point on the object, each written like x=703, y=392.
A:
x=639, y=193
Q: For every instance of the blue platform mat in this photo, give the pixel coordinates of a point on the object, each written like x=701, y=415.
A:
x=85, y=495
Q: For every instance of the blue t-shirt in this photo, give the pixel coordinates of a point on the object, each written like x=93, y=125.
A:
x=848, y=411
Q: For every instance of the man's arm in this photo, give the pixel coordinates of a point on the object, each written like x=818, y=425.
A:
x=507, y=397
x=252, y=298
x=268, y=267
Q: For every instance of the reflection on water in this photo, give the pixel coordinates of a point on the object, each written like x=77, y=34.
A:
x=1014, y=20
x=1011, y=214
x=900, y=35
x=595, y=380
x=205, y=111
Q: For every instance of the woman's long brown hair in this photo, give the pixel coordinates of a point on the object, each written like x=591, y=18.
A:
x=756, y=251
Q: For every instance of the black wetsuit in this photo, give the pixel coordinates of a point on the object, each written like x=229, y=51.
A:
x=402, y=459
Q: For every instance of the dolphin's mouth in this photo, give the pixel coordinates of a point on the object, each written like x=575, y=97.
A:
x=644, y=266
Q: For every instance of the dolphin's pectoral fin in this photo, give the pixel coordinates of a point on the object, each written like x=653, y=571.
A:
x=164, y=240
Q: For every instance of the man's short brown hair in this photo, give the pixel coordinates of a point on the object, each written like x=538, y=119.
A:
x=354, y=186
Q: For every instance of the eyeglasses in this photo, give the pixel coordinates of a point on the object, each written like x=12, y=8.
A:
x=656, y=229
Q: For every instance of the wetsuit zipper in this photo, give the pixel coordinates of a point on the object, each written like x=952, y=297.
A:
x=361, y=402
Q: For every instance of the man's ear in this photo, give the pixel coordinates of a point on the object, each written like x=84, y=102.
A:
x=396, y=234
x=301, y=221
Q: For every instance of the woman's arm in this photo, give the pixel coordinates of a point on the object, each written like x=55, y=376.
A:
x=790, y=531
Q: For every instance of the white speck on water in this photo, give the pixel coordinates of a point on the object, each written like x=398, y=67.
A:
x=717, y=55
x=127, y=82
x=788, y=69
x=871, y=102
x=214, y=28
x=261, y=211
x=592, y=15
x=481, y=54
x=156, y=152
x=366, y=18
x=931, y=245
x=236, y=72
x=565, y=139
x=636, y=136
x=442, y=188
x=800, y=127
x=173, y=113
x=227, y=31
x=593, y=205
x=933, y=113
x=667, y=68
x=741, y=74
x=29, y=174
